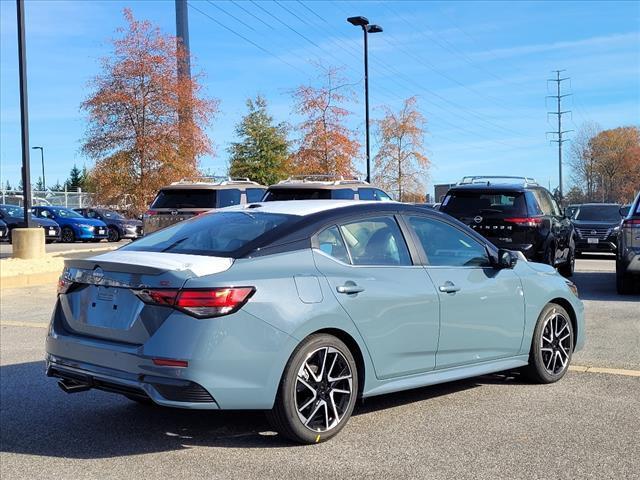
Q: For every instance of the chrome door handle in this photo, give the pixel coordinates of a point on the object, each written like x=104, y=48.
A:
x=449, y=287
x=349, y=288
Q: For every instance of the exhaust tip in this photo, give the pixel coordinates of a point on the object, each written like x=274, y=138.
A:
x=72, y=386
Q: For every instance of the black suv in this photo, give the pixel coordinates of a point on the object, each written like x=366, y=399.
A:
x=597, y=226
x=515, y=213
x=628, y=256
x=324, y=187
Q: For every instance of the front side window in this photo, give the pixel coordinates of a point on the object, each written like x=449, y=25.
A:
x=330, y=242
x=446, y=246
x=376, y=241
x=227, y=198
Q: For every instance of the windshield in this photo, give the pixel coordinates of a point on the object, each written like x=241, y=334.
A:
x=65, y=213
x=12, y=211
x=466, y=204
x=278, y=194
x=598, y=213
x=185, y=198
x=216, y=234
x=111, y=214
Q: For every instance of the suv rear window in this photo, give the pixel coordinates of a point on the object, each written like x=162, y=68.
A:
x=601, y=213
x=484, y=203
x=216, y=234
x=185, y=198
x=277, y=194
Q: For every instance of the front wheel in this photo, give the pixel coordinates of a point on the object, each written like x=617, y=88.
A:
x=67, y=235
x=552, y=345
x=114, y=234
x=317, y=392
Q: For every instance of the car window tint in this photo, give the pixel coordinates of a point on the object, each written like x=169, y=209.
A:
x=485, y=204
x=534, y=204
x=185, y=198
x=227, y=198
x=280, y=194
x=254, y=195
x=90, y=214
x=448, y=246
x=376, y=241
x=598, y=213
x=330, y=242
x=366, y=194
x=382, y=196
x=544, y=201
x=343, y=194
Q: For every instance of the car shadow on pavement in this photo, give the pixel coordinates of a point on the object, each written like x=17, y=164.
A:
x=37, y=418
x=601, y=286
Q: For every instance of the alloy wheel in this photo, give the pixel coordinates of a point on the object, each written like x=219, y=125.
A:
x=555, y=344
x=324, y=386
x=67, y=235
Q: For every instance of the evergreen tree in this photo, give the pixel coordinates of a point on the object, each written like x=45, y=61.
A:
x=7, y=185
x=57, y=187
x=263, y=150
x=39, y=186
x=75, y=179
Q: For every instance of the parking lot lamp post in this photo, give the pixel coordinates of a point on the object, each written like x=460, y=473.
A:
x=44, y=183
x=367, y=28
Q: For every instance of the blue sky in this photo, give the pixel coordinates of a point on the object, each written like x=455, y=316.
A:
x=478, y=68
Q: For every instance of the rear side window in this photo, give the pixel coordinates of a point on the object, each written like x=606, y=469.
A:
x=217, y=234
x=254, y=195
x=446, y=246
x=376, y=241
x=228, y=197
x=373, y=194
x=185, y=198
x=486, y=204
x=330, y=242
x=343, y=194
x=278, y=194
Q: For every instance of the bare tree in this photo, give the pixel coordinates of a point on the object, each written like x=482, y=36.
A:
x=583, y=160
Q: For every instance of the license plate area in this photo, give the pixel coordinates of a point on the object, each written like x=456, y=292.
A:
x=593, y=241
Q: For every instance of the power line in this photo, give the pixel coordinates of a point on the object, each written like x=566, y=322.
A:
x=237, y=4
x=230, y=15
x=559, y=140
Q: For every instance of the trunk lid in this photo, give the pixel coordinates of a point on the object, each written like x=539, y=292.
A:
x=101, y=301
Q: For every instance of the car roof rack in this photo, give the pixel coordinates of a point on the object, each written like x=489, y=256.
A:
x=323, y=179
x=214, y=180
x=501, y=179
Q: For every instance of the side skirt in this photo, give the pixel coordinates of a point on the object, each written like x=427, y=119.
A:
x=447, y=375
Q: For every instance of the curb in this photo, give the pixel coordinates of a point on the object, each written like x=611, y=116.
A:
x=18, y=281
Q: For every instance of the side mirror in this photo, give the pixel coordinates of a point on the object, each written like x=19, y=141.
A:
x=624, y=211
x=506, y=258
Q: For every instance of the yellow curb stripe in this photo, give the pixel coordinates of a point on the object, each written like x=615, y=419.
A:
x=608, y=371
x=11, y=323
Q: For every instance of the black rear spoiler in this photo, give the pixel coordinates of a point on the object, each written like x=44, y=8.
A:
x=92, y=263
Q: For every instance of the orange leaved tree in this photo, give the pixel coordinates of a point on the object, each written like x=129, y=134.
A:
x=145, y=123
x=326, y=145
x=401, y=165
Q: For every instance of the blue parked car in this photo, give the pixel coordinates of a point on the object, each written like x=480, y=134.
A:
x=118, y=227
x=73, y=226
x=300, y=308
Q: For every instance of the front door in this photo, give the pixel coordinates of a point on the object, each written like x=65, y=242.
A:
x=392, y=302
x=481, y=307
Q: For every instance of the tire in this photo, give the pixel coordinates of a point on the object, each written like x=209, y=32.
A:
x=551, y=346
x=114, y=235
x=624, y=282
x=67, y=235
x=569, y=267
x=302, y=407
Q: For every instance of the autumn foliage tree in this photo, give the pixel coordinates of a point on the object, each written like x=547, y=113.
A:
x=401, y=164
x=326, y=145
x=134, y=132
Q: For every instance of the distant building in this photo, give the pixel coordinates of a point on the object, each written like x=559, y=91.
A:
x=440, y=190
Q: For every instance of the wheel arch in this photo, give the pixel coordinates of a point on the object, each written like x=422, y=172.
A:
x=564, y=303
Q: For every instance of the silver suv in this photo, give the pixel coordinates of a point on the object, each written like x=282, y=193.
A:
x=192, y=196
x=324, y=187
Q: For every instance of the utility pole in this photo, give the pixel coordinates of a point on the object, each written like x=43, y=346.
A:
x=559, y=140
x=184, y=74
x=182, y=35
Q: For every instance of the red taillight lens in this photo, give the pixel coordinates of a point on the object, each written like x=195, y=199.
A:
x=525, y=221
x=64, y=285
x=150, y=213
x=208, y=303
x=631, y=223
x=167, y=362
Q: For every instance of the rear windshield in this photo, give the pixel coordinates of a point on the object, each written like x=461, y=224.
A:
x=217, y=234
x=464, y=204
x=183, y=198
x=598, y=213
x=278, y=194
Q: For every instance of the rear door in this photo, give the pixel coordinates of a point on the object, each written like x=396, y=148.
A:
x=392, y=302
x=481, y=308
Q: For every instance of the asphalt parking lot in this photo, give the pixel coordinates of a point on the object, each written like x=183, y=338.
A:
x=62, y=248
x=585, y=426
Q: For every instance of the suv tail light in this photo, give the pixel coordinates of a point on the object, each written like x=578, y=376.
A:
x=525, y=221
x=631, y=223
x=200, y=303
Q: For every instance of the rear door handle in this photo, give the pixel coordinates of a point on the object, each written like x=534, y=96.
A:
x=349, y=288
x=448, y=287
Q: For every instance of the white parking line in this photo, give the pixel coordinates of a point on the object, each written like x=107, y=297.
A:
x=608, y=371
x=11, y=323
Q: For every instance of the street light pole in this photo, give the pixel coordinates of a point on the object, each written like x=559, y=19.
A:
x=363, y=22
x=44, y=183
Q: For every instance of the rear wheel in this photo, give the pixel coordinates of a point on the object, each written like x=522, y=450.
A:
x=317, y=392
x=67, y=235
x=552, y=345
x=624, y=281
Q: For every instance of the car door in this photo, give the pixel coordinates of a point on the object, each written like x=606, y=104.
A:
x=392, y=302
x=563, y=231
x=481, y=307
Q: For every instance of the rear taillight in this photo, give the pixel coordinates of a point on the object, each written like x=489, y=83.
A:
x=150, y=213
x=525, y=221
x=631, y=223
x=200, y=303
x=64, y=284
